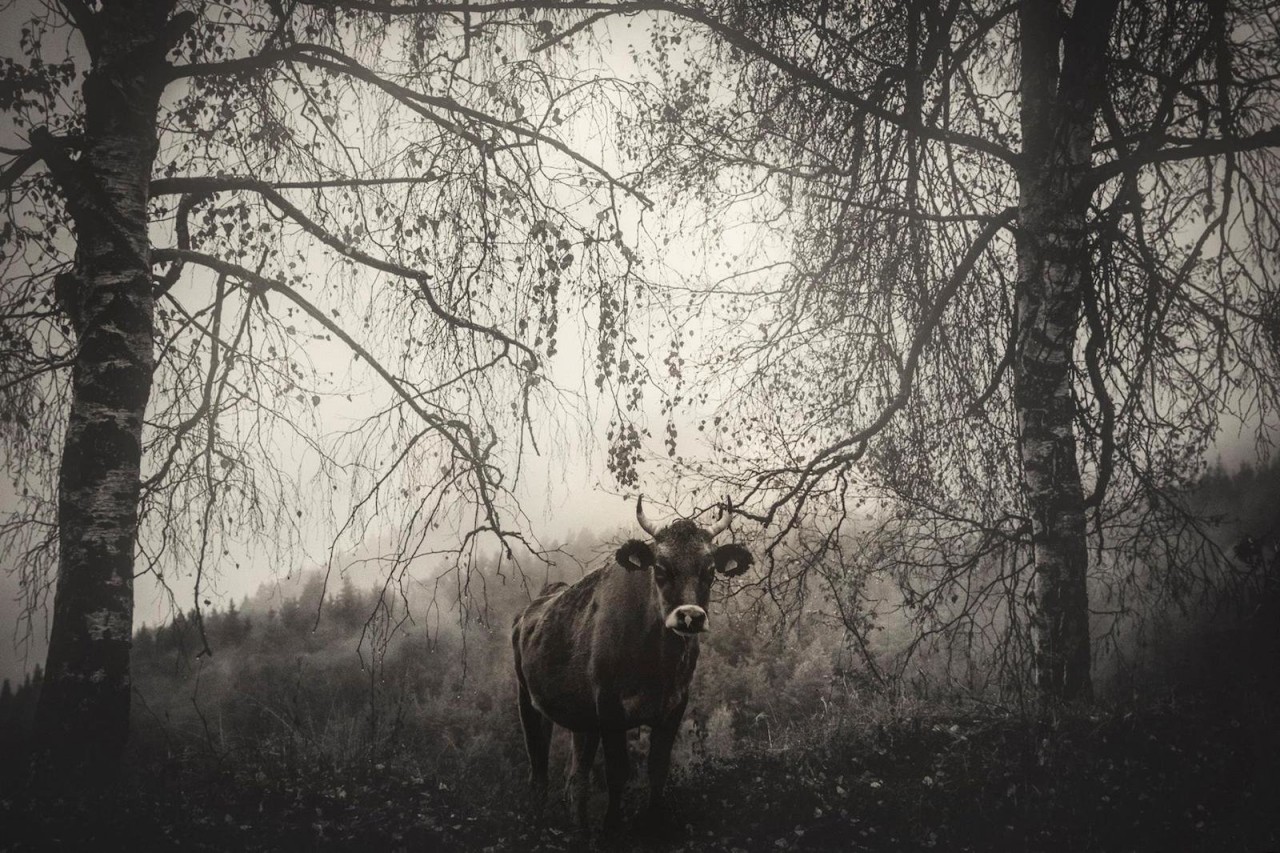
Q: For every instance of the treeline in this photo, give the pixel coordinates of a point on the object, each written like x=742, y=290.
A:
x=18, y=710
x=1213, y=635
x=359, y=716
x=366, y=675
x=1247, y=500
x=330, y=669
x=305, y=621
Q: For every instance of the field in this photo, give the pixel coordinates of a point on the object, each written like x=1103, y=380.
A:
x=1161, y=776
x=288, y=738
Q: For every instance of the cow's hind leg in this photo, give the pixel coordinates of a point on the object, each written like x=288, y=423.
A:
x=537, y=741
x=584, y=754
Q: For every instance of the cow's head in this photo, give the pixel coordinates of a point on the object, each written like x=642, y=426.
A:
x=683, y=562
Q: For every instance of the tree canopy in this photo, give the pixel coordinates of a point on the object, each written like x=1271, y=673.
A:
x=300, y=215
x=336, y=203
x=1028, y=277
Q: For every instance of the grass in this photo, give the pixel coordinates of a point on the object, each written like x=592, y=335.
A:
x=1178, y=774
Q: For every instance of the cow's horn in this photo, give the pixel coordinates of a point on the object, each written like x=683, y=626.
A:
x=722, y=523
x=645, y=524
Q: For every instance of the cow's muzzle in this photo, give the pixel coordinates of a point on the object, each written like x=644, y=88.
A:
x=687, y=619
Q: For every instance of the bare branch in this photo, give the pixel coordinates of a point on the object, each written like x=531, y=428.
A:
x=345, y=64
x=16, y=169
x=737, y=38
x=226, y=183
x=457, y=433
x=322, y=56
x=1184, y=150
x=834, y=455
x=268, y=192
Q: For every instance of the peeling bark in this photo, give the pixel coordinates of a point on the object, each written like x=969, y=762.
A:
x=1048, y=307
x=1063, y=75
x=83, y=718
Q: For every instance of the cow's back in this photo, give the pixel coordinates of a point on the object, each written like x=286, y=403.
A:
x=595, y=654
x=552, y=660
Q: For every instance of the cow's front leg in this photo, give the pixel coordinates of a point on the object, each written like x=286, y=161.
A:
x=584, y=753
x=616, y=770
x=661, y=738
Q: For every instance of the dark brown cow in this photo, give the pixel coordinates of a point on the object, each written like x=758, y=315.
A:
x=617, y=650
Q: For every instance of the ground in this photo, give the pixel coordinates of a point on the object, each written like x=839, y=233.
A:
x=1174, y=774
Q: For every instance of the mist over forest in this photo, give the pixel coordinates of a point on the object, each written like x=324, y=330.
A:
x=331, y=697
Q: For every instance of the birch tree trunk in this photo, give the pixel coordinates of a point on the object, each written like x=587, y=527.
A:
x=83, y=718
x=1059, y=101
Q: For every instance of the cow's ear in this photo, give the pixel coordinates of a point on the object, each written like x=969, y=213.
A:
x=732, y=560
x=635, y=555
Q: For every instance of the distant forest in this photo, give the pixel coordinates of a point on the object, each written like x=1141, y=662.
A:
x=356, y=673
x=342, y=717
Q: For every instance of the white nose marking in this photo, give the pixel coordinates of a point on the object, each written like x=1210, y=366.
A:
x=687, y=619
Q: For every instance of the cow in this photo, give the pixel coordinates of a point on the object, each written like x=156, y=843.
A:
x=617, y=650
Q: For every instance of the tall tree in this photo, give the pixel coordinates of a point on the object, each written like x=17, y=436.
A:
x=1032, y=267
x=222, y=219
